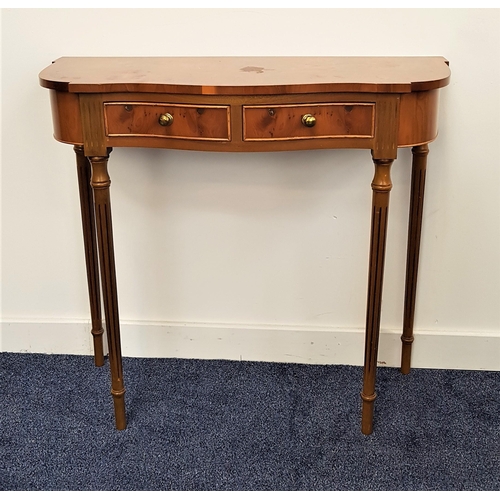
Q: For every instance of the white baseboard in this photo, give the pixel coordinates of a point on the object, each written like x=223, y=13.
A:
x=289, y=343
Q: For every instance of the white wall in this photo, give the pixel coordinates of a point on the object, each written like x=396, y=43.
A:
x=256, y=254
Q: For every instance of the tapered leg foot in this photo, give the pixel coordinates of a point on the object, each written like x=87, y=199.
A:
x=367, y=413
x=119, y=406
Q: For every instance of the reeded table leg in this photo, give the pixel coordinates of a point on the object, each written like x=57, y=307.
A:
x=419, y=166
x=381, y=186
x=90, y=245
x=100, y=183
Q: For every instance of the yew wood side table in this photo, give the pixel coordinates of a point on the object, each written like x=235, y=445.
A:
x=246, y=104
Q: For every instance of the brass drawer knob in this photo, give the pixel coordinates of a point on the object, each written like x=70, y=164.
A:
x=165, y=119
x=309, y=120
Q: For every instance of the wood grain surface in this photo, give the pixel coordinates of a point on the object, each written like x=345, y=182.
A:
x=245, y=75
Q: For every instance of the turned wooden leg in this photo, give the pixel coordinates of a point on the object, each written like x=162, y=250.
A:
x=381, y=186
x=419, y=166
x=90, y=246
x=100, y=183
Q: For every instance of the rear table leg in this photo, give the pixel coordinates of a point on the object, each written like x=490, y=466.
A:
x=419, y=166
x=91, y=256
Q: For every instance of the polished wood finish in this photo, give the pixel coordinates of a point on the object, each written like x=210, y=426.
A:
x=140, y=119
x=417, y=120
x=66, y=117
x=284, y=122
x=385, y=144
x=90, y=246
x=418, y=114
x=419, y=167
x=246, y=104
x=245, y=75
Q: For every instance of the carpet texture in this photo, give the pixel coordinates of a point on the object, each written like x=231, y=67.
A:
x=228, y=425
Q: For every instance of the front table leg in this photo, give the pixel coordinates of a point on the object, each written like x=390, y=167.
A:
x=381, y=186
x=100, y=183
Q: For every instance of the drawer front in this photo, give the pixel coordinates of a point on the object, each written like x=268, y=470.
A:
x=289, y=122
x=180, y=121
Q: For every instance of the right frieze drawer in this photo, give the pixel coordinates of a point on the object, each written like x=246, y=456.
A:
x=308, y=121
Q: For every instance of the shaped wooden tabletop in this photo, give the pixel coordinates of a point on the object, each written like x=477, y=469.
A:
x=245, y=75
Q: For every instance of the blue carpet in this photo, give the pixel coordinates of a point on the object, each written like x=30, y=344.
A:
x=227, y=425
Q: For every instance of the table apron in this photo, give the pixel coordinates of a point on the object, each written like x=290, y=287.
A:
x=249, y=123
